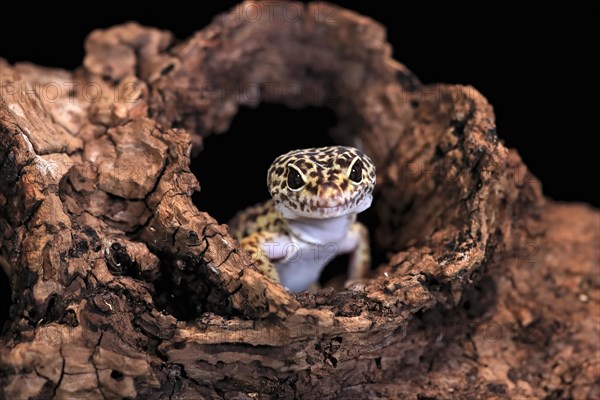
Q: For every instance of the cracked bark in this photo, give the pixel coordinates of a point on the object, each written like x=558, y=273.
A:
x=121, y=287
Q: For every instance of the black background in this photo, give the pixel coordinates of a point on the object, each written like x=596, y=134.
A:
x=533, y=64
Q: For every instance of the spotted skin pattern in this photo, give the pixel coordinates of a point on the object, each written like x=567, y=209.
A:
x=316, y=194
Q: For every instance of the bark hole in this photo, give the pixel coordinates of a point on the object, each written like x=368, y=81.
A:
x=181, y=290
x=116, y=375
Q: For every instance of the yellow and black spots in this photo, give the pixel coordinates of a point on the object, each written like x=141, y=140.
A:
x=253, y=245
x=321, y=182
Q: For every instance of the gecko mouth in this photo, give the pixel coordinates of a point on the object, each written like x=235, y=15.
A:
x=323, y=209
x=323, y=204
x=349, y=205
x=338, y=207
x=342, y=206
x=331, y=210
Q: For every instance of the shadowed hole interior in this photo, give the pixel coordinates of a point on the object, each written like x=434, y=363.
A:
x=335, y=272
x=182, y=293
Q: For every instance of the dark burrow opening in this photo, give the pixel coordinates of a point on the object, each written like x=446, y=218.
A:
x=182, y=289
x=335, y=273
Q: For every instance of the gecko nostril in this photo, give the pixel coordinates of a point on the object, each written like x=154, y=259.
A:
x=329, y=186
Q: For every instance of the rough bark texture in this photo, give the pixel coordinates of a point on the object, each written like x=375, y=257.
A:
x=122, y=288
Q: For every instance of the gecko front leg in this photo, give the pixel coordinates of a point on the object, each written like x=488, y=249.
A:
x=254, y=246
x=360, y=257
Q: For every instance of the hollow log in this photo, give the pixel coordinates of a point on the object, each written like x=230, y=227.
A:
x=123, y=288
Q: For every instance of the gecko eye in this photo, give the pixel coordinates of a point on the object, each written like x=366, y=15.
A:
x=356, y=172
x=294, y=179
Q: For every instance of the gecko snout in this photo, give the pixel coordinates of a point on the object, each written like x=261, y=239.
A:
x=330, y=194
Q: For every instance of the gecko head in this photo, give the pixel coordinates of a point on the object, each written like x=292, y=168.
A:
x=323, y=182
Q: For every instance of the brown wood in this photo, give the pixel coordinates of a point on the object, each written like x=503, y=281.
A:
x=122, y=288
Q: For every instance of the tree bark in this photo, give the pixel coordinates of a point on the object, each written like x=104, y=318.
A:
x=122, y=288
